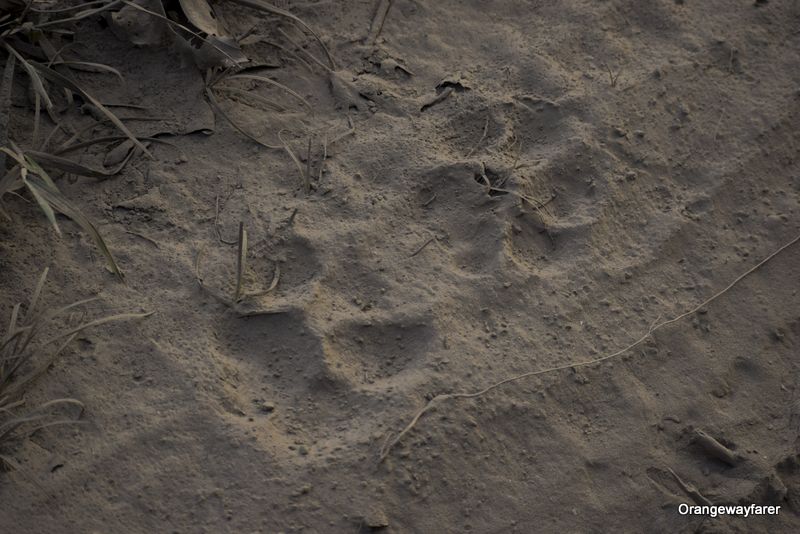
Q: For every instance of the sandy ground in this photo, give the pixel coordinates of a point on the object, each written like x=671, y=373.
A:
x=662, y=140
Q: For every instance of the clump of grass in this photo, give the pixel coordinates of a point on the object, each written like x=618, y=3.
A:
x=29, y=39
x=49, y=198
x=26, y=353
x=32, y=41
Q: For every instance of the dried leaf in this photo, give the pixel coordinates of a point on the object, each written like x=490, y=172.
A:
x=201, y=15
x=138, y=27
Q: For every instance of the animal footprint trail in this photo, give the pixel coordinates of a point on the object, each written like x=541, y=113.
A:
x=441, y=398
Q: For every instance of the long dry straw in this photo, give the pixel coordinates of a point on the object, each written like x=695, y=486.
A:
x=657, y=326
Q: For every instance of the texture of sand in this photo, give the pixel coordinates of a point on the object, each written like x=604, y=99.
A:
x=661, y=139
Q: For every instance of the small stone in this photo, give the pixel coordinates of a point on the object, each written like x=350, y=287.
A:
x=376, y=519
x=267, y=407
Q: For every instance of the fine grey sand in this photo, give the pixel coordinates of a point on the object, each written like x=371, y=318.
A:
x=482, y=189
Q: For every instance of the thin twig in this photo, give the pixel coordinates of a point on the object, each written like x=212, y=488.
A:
x=308, y=166
x=422, y=246
x=324, y=157
x=241, y=259
x=292, y=155
x=429, y=201
x=142, y=236
x=276, y=276
x=483, y=136
x=469, y=395
x=612, y=77
x=377, y=21
x=261, y=5
x=311, y=56
x=690, y=490
x=216, y=221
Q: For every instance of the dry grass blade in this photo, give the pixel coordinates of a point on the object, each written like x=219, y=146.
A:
x=219, y=111
x=108, y=139
x=199, y=278
x=483, y=136
x=11, y=181
x=17, y=339
x=296, y=160
x=308, y=167
x=20, y=386
x=377, y=21
x=244, y=95
x=68, y=8
x=45, y=206
x=260, y=5
x=90, y=67
x=82, y=15
x=275, y=279
x=241, y=260
x=5, y=109
x=62, y=80
x=43, y=187
x=36, y=80
x=66, y=165
x=303, y=50
x=99, y=322
x=37, y=115
x=270, y=82
x=40, y=413
x=37, y=292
